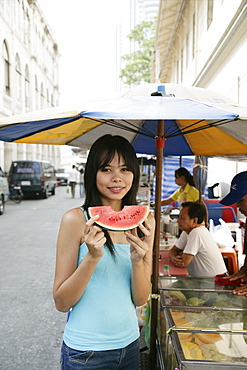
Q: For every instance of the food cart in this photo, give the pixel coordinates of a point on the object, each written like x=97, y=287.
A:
x=201, y=325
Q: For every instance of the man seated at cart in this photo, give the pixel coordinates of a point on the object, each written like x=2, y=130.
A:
x=195, y=249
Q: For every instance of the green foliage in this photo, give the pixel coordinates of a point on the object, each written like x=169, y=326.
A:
x=138, y=64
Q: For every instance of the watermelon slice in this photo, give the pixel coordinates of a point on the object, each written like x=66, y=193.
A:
x=126, y=219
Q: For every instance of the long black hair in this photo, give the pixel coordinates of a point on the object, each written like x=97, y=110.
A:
x=182, y=171
x=100, y=155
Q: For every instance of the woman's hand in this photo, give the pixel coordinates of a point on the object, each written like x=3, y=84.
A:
x=139, y=246
x=94, y=238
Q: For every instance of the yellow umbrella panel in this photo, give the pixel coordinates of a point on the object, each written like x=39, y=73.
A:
x=62, y=135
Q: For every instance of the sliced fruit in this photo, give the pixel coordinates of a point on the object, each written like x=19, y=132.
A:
x=208, y=337
x=126, y=219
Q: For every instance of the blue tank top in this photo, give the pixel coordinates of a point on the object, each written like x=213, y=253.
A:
x=105, y=317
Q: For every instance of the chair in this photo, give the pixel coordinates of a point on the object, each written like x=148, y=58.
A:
x=216, y=211
x=232, y=260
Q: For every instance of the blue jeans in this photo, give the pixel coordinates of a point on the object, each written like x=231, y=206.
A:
x=81, y=189
x=118, y=359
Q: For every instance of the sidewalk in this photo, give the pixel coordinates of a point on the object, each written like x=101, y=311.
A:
x=30, y=326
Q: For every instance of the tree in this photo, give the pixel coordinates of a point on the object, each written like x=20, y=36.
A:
x=138, y=63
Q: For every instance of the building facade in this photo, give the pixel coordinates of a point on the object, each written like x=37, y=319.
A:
x=203, y=43
x=29, y=73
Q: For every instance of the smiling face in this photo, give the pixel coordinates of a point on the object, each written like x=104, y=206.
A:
x=114, y=181
x=242, y=205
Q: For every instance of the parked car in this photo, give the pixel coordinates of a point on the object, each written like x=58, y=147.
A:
x=4, y=190
x=62, y=176
x=34, y=177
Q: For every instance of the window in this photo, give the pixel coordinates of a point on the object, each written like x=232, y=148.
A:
x=26, y=28
x=26, y=167
x=27, y=88
x=47, y=98
x=187, y=48
x=177, y=71
x=182, y=65
x=210, y=12
x=6, y=69
x=36, y=93
x=42, y=96
x=193, y=36
x=18, y=77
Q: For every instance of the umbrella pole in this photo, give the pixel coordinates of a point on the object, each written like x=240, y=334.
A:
x=155, y=275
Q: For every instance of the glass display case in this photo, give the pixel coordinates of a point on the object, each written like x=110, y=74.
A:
x=218, y=350
x=201, y=325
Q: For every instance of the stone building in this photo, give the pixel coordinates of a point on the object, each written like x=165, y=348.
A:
x=203, y=43
x=29, y=73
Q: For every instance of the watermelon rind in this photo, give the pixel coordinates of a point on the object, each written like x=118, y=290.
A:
x=126, y=219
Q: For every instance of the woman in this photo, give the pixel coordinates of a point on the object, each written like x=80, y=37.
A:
x=102, y=275
x=186, y=192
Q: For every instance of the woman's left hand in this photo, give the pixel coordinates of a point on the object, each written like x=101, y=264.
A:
x=139, y=246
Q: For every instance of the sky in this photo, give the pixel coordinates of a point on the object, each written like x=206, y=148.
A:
x=85, y=31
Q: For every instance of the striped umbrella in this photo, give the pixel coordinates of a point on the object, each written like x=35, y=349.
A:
x=179, y=121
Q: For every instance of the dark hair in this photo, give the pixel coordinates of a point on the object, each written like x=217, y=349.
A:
x=182, y=171
x=100, y=155
x=195, y=210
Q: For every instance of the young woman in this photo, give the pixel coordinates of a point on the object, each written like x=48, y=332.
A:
x=186, y=192
x=102, y=275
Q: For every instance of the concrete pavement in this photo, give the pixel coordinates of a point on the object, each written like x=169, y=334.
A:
x=31, y=328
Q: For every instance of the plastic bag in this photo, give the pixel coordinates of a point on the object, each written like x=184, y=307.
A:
x=67, y=189
x=141, y=314
x=147, y=326
x=221, y=234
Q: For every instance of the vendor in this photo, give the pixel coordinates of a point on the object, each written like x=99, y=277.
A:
x=195, y=248
x=238, y=194
x=186, y=191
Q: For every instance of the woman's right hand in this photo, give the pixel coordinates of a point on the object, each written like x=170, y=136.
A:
x=94, y=238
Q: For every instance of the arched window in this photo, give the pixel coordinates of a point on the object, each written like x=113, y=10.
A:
x=36, y=93
x=42, y=96
x=210, y=12
x=18, y=77
x=6, y=69
x=47, y=98
x=26, y=28
x=27, y=88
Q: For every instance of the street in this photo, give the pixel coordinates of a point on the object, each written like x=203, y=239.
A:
x=30, y=326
